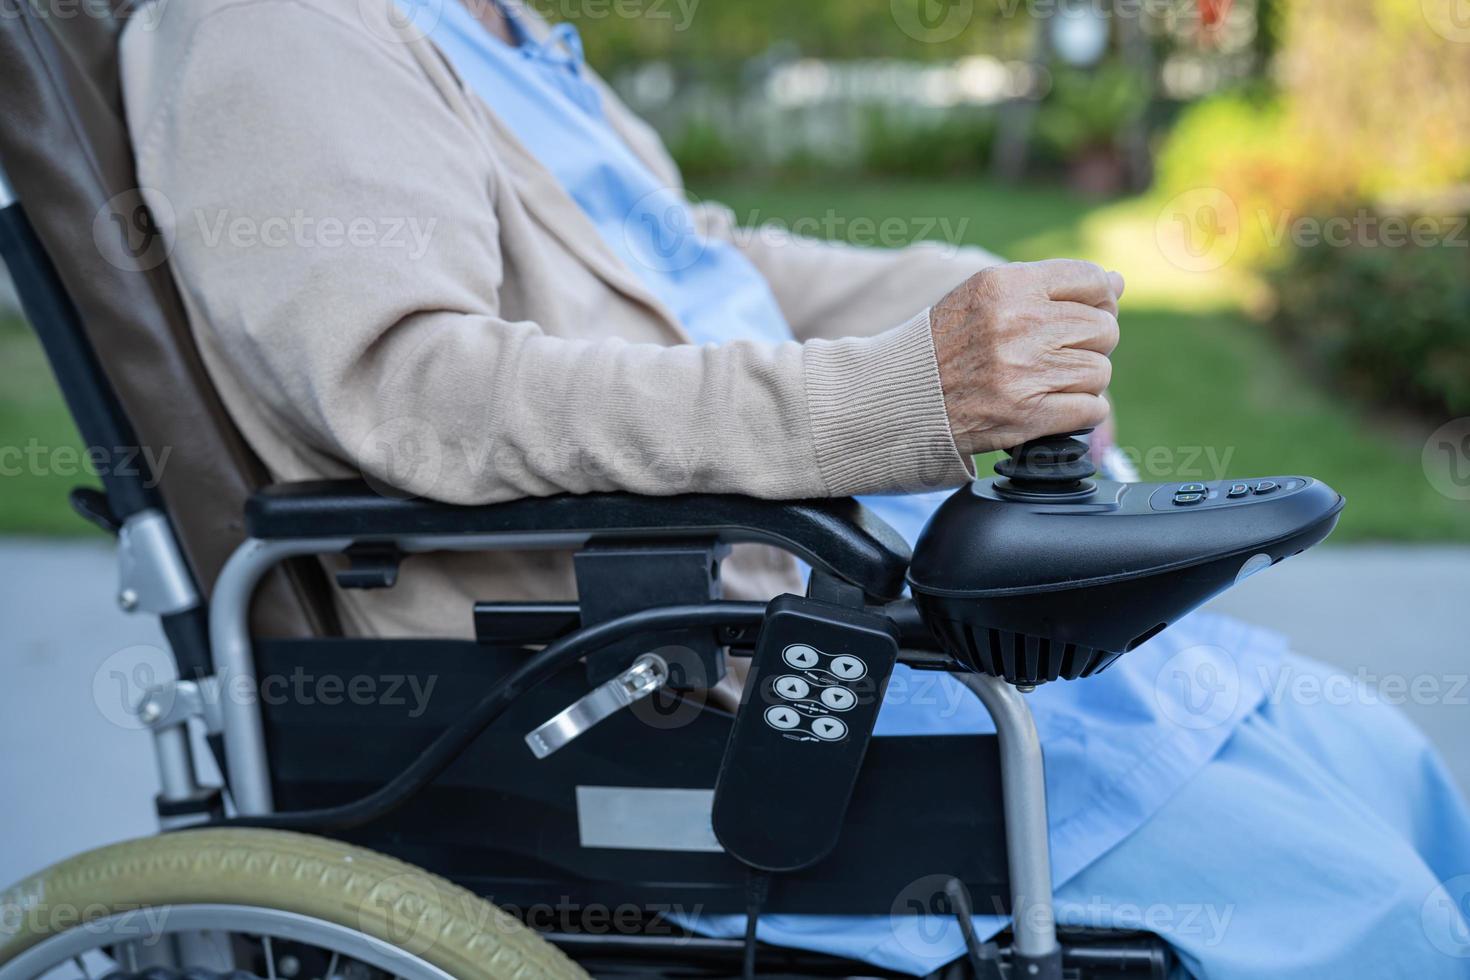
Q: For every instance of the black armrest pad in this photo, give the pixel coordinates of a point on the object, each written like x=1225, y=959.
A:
x=838, y=536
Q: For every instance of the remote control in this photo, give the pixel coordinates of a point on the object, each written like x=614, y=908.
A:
x=816, y=683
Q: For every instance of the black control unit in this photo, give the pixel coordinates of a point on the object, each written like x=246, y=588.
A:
x=816, y=684
x=1044, y=574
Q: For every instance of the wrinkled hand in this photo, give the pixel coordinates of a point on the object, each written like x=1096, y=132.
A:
x=1023, y=351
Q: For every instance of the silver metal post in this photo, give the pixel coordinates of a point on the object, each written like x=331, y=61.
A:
x=1028, y=848
x=166, y=710
x=234, y=665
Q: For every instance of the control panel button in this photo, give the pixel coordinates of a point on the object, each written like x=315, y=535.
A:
x=838, y=698
x=800, y=656
x=793, y=688
x=782, y=718
x=1238, y=490
x=1266, y=486
x=1184, y=499
x=829, y=729
x=848, y=668
x=1193, y=488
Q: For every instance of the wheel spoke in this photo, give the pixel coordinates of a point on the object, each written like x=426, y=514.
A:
x=270, y=958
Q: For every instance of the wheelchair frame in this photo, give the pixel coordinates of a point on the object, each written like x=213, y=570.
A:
x=212, y=643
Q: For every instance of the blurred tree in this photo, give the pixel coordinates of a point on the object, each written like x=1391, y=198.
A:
x=719, y=37
x=1377, y=94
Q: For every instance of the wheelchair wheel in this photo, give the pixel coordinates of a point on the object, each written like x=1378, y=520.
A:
x=237, y=903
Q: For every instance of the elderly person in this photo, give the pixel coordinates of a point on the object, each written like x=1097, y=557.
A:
x=565, y=321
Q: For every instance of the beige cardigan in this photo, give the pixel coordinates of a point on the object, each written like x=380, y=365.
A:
x=384, y=282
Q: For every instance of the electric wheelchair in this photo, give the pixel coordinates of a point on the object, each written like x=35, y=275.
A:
x=566, y=767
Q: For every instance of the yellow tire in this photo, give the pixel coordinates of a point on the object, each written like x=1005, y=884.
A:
x=378, y=896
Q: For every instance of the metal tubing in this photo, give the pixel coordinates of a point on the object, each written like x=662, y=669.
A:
x=241, y=724
x=176, y=780
x=243, y=728
x=1028, y=850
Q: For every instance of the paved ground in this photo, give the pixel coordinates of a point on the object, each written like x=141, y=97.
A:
x=76, y=774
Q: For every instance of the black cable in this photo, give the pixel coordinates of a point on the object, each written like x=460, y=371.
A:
x=445, y=749
x=757, y=887
x=984, y=957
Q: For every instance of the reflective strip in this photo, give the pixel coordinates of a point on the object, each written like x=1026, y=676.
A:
x=639, y=819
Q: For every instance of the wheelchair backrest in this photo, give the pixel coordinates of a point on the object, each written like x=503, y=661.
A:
x=65, y=150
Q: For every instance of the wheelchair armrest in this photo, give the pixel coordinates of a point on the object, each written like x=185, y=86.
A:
x=838, y=536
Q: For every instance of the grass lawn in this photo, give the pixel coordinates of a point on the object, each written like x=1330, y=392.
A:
x=1201, y=390
x=40, y=451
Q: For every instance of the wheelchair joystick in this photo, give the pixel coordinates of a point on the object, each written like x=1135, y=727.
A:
x=1043, y=573
x=1055, y=467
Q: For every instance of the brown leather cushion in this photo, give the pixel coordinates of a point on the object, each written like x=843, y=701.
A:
x=64, y=146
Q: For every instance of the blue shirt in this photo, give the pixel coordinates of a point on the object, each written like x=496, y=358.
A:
x=540, y=90
x=1118, y=745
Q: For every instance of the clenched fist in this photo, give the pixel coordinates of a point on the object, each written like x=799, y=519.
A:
x=1023, y=351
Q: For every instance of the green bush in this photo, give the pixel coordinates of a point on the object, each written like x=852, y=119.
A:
x=701, y=151
x=1390, y=323
x=1086, y=110
x=956, y=145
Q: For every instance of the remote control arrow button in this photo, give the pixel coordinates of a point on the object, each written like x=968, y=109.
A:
x=801, y=656
x=829, y=729
x=782, y=718
x=838, y=698
x=792, y=688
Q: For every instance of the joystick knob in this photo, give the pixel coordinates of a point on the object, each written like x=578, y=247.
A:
x=1054, y=466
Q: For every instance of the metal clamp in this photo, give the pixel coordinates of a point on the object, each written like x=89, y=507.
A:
x=647, y=674
x=153, y=577
x=178, y=701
